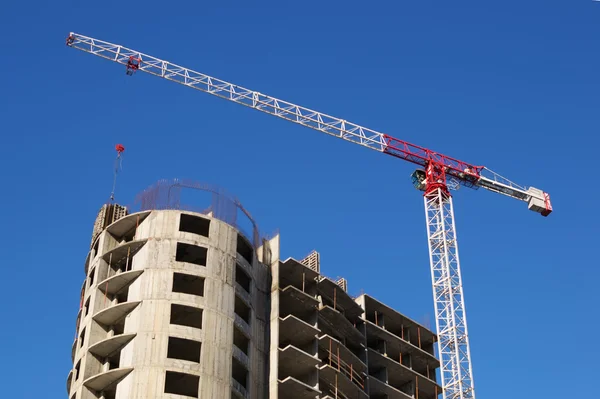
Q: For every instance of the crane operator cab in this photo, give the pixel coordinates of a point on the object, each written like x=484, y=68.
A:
x=418, y=179
x=133, y=64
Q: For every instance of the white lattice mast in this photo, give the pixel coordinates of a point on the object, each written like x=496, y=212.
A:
x=439, y=172
x=451, y=319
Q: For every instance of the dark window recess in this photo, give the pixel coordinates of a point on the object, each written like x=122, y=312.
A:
x=77, y=368
x=191, y=254
x=82, y=338
x=242, y=278
x=240, y=340
x=188, y=284
x=184, y=349
x=186, y=316
x=182, y=384
x=114, y=361
x=96, y=246
x=244, y=248
x=130, y=235
x=92, y=276
x=242, y=310
x=86, y=307
x=194, y=224
x=122, y=295
x=119, y=328
x=239, y=372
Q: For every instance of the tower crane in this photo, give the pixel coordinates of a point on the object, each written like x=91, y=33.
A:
x=437, y=174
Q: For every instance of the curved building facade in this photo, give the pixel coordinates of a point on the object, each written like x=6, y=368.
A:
x=174, y=305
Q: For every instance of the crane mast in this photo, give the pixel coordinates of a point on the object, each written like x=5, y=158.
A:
x=437, y=174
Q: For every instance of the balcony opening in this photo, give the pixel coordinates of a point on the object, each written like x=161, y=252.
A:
x=240, y=340
x=184, y=349
x=182, y=384
x=91, y=278
x=244, y=248
x=194, y=224
x=118, y=266
x=114, y=360
x=113, y=330
x=242, y=310
x=82, y=338
x=188, y=284
x=239, y=372
x=191, y=254
x=130, y=235
x=119, y=328
x=77, y=369
x=242, y=278
x=121, y=296
x=186, y=316
x=96, y=247
x=86, y=307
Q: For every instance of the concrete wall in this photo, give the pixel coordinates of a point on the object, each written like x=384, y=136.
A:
x=150, y=321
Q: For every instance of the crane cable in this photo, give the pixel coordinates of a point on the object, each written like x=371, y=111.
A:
x=118, y=165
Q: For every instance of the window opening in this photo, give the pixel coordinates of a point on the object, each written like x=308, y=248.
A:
x=188, y=284
x=184, y=349
x=186, y=316
x=194, y=224
x=242, y=278
x=182, y=384
x=191, y=254
x=244, y=248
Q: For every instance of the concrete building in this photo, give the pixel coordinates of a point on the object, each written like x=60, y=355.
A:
x=327, y=344
x=179, y=304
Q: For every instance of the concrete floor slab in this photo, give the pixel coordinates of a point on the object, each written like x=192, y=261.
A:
x=420, y=358
x=69, y=380
x=292, y=272
x=108, y=346
x=347, y=387
x=327, y=343
x=73, y=349
x=343, y=301
x=103, y=381
x=116, y=283
x=296, y=302
x=292, y=388
x=379, y=389
x=399, y=374
x=295, y=362
x=338, y=323
x=395, y=321
x=118, y=255
x=124, y=225
x=296, y=331
x=111, y=315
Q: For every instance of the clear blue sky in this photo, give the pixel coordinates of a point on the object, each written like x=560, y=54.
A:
x=509, y=84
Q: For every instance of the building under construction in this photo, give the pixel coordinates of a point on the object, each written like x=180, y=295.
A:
x=180, y=301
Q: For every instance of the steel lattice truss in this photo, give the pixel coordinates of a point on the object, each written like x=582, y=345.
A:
x=451, y=319
x=466, y=174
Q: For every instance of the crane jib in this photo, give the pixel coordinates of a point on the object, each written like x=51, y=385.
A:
x=466, y=173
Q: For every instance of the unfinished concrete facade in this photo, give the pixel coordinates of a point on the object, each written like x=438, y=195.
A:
x=179, y=304
x=174, y=305
x=327, y=344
